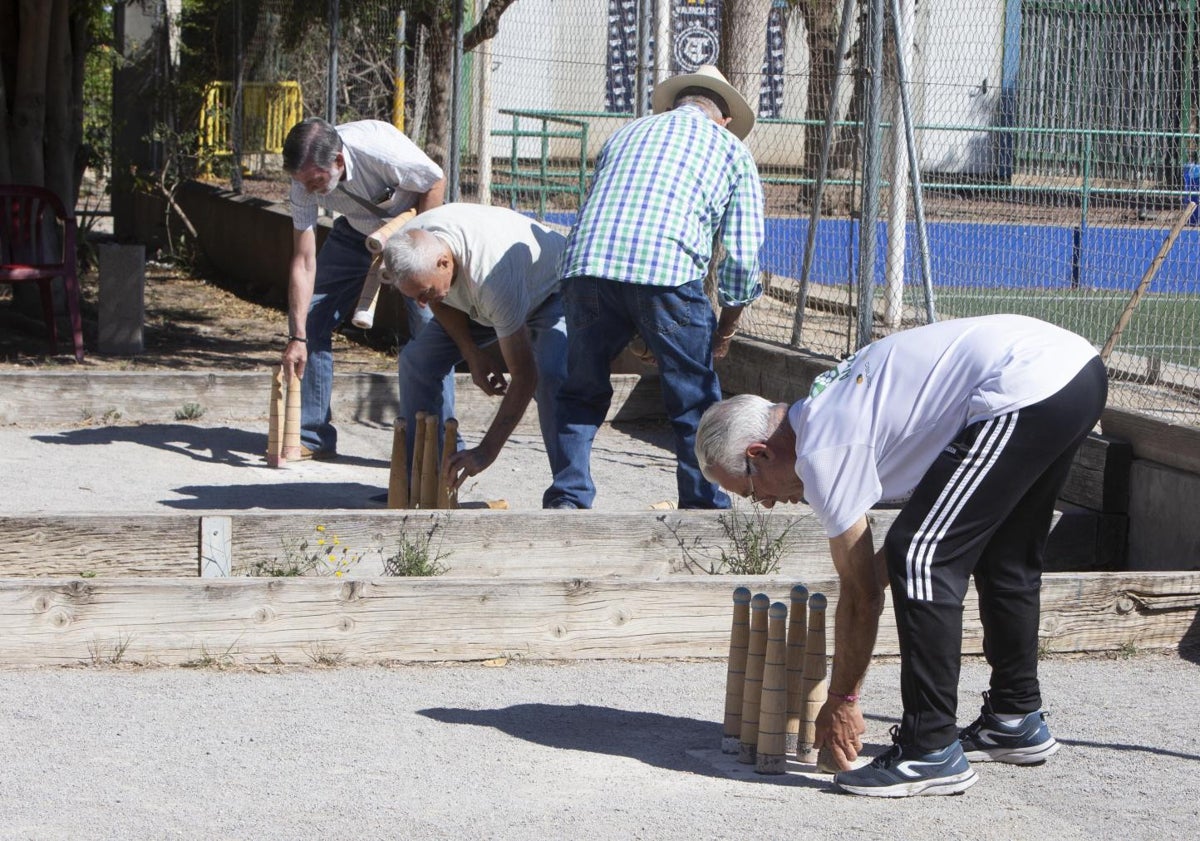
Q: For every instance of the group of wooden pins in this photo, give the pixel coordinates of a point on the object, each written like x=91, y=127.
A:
x=425, y=487
x=776, y=681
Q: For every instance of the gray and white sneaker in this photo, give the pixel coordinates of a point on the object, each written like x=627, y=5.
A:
x=1024, y=742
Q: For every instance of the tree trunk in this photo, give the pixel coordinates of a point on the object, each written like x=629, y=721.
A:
x=821, y=22
x=59, y=154
x=27, y=132
x=441, y=53
x=743, y=46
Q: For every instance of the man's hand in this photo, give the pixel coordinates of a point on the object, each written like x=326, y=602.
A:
x=295, y=358
x=464, y=464
x=720, y=345
x=840, y=728
x=488, y=374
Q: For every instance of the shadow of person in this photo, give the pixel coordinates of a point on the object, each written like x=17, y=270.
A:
x=282, y=496
x=225, y=445
x=671, y=742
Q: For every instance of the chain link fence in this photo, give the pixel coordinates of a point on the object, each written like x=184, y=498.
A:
x=922, y=158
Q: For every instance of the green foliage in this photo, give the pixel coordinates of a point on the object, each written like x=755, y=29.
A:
x=324, y=555
x=416, y=556
x=756, y=545
x=189, y=411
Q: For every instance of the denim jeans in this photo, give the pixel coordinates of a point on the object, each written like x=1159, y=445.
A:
x=426, y=360
x=677, y=325
x=342, y=265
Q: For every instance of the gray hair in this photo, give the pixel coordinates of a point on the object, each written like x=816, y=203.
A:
x=408, y=252
x=312, y=141
x=706, y=99
x=728, y=428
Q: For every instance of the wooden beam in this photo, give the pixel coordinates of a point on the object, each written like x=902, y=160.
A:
x=1174, y=445
x=474, y=543
x=66, y=621
x=50, y=397
x=1099, y=477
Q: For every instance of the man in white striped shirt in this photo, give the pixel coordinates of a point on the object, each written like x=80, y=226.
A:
x=971, y=425
x=368, y=172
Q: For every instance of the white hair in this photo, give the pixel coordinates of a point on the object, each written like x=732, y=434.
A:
x=409, y=252
x=728, y=428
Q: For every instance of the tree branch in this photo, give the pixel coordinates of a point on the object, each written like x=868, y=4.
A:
x=488, y=26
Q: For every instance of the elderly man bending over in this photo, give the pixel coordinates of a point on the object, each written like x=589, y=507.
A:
x=489, y=274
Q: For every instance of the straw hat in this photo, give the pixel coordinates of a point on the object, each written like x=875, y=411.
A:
x=708, y=77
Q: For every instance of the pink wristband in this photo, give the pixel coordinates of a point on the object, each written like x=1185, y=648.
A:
x=850, y=699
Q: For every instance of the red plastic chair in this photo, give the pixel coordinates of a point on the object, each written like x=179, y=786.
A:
x=37, y=244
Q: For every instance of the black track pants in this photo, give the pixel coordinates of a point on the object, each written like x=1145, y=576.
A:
x=983, y=508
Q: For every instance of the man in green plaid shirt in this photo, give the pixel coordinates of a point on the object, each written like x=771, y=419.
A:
x=665, y=188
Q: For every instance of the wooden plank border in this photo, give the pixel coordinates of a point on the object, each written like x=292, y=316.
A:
x=322, y=620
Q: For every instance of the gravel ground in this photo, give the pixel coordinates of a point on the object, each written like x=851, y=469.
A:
x=610, y=750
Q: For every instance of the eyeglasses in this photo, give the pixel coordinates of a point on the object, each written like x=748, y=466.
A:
x=750, y=478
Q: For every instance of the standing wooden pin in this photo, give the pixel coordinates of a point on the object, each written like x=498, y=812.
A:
x=275, y=427
x=735, y=673
x=414, y=484
x=771, y=757
x=291, y=421
x=752, y=694
x=445, y=497
x=429, y=463
x=398, y=476
x=814, y=678
x=796, y=637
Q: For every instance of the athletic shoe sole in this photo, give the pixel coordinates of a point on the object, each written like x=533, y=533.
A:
x=933, y=786
x=1026, y=755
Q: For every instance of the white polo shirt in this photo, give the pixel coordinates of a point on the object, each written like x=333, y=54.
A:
x=379, y=158
x=507, y=263
x=873, y=425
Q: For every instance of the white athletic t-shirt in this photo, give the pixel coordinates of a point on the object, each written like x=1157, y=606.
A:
x=507, y=263
x=873, y=425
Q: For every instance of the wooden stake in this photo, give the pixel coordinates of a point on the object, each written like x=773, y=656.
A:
x=756, y=656
x=275, y=426
x=414, y=484
x=398, y=475
x=814, y=689
x=291, y=421
x=735, y=673
x=771, y=758
x=364, y=310
x=378, y=239
x=429, y=463
x=446, y=499
x=797, y=635
x=1151, y=271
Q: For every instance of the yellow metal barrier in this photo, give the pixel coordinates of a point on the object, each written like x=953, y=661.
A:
x=269, y=110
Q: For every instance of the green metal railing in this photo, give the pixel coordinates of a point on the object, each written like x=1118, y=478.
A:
x=546, y=177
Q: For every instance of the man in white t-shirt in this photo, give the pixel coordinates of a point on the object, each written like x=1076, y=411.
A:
x=488, y=274
x=369, y=172
x=970, y=424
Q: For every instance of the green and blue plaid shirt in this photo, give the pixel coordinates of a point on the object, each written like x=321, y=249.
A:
x=664, y=187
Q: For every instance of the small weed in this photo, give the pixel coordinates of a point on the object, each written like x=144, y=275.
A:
x=1043, y=648
x=207, y=660
x=189, y=412
x=753, y=547
x=109, y=416
x=415, y=556
x=102, y=656
x=325, y=555
x=1126, y=650
x=88, y=573
x=323, y=656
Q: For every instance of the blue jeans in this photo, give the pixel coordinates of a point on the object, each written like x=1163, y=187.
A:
x=677, y=325
x=426, y=360
x=342, y=266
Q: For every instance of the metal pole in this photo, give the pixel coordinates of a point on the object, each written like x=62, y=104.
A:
x=869, y=209
x=822, y=170
x=331, y=79
x=662, y=40
x=453, y=154
x=644, y=77
x=914, y=173
x=483, y=115
x=898, y=179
